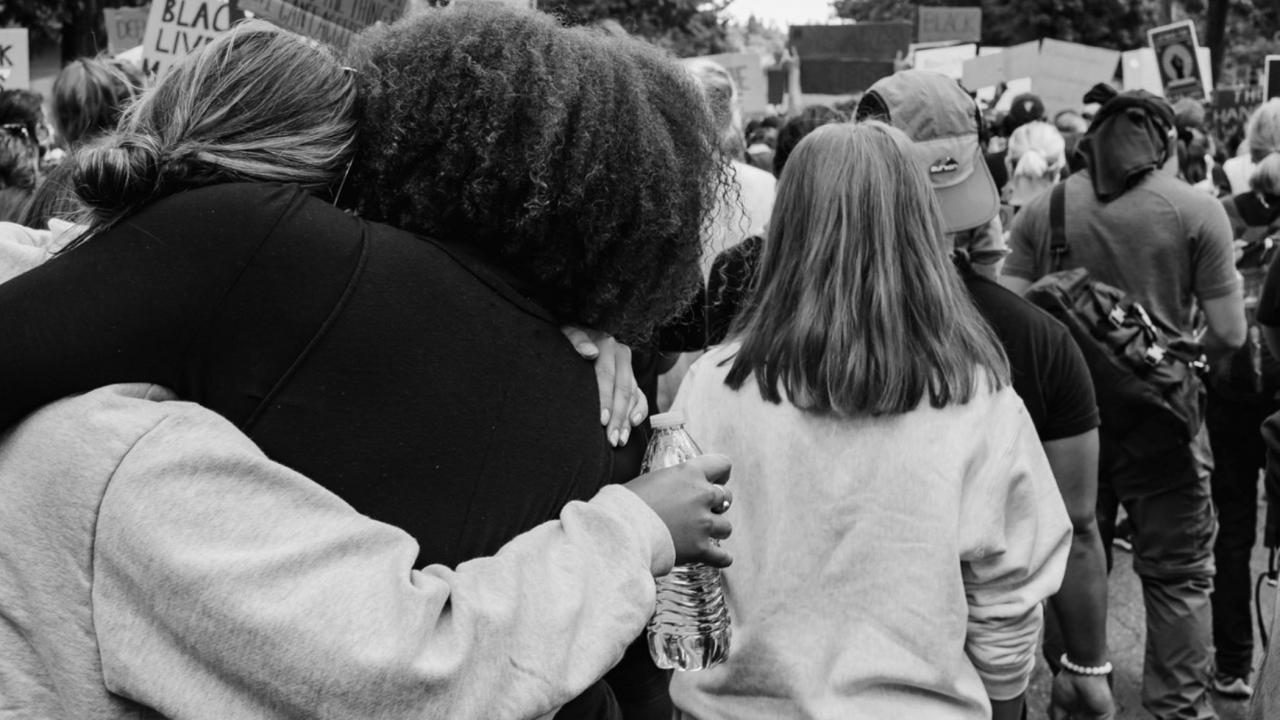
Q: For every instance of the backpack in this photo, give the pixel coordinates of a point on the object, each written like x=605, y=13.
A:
x=1147, y=376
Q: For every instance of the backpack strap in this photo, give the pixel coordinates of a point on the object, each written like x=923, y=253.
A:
x=1058, y=226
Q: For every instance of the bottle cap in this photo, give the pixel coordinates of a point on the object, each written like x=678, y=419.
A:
x=666, y=420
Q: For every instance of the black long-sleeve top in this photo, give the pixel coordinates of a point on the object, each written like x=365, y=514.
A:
x=403, y=375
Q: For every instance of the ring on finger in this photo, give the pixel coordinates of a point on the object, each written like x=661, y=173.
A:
x=722, y=499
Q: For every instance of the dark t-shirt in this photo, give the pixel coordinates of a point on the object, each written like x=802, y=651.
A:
x=1049, y=371
x=1162, y=242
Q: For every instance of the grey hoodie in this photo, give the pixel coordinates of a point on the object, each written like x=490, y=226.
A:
x=154, y=562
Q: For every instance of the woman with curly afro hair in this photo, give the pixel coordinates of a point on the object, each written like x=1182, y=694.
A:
x=575, y=161
x=553, y=175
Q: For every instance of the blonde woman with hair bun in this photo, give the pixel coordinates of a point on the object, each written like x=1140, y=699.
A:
x=1036, y=159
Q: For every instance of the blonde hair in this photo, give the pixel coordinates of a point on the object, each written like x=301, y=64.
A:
x=1262, y=131
x=1037, y=150
x=722, y=97
x=1262, y=137
x=257, y=104
x=857, y=306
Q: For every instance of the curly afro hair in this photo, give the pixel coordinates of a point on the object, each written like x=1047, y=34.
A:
x=584, y=165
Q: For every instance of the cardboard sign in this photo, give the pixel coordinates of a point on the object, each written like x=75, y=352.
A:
x=1231, y=108
x=177, y=28
x=956, y=24
x=1205, y=55
x=330, y=21
x=15, y=59
x=948, y=60
x=1178, y=60
x=125, y=27
x=747, y=70
x=1140, y=71
x=1001, y=65
x=983, y=71
x=1066, y=71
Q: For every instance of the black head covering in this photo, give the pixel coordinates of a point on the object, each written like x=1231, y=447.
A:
x=1128, y=138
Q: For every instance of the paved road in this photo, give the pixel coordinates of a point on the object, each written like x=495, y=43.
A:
x=1125, y=633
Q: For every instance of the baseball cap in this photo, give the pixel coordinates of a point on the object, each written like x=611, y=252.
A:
x=942, y=122
x=1025, y=108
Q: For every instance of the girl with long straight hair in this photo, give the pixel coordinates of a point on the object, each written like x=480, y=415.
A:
x=896, y=521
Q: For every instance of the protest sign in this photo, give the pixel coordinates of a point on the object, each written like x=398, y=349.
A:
x=843, y=59
x=15, y=59
x=947, y=60
x=1000, y=65
x=413, y=6
x=1140, y=71
x=747, y=71
x=778, y=78
x=983, y=71
x=1271, y=76
x=177, y=28
x=953, y=24
x=125, y=27
x=1231, y=107
x=330, y=21
x=1206, y=70
x=1178, y=60
x=860, y=41
x=1066, y=71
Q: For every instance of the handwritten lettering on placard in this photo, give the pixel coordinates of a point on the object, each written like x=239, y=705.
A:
x=177, y=28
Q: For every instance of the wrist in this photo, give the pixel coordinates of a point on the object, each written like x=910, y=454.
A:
x=1087, y=670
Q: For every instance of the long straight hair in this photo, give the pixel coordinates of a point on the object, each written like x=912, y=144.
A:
x=858, y=308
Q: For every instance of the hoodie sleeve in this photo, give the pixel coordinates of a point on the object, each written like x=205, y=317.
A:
x=1015, y=538
x=226, y=585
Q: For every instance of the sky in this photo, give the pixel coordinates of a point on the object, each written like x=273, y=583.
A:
x=782, y=12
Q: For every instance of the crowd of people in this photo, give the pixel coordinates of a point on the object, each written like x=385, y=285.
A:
x=326, y=377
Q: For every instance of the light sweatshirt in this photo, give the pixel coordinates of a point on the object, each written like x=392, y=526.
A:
x=152, y=560
x=884, y=567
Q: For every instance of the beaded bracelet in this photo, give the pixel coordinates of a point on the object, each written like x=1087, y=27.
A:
x=1103, y=669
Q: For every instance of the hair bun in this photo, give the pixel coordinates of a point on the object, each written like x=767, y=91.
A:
x=116, y=174
x=1032, y=164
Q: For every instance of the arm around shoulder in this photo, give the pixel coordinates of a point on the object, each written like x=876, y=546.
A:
x=227, y=585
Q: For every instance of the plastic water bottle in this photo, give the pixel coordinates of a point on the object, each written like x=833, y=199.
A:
x=690, y=625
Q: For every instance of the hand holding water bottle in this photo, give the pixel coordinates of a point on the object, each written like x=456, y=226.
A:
x=690, y=498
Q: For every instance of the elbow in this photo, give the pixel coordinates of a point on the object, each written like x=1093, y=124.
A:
x=1084, y=525
x=1233, y=338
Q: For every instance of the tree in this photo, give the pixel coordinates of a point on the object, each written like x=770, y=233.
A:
x=686, y=27
x=1240, y=34
x=1106, y=23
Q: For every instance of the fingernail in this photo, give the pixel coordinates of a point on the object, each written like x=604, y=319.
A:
x=637, y=418
x=604, y=416
x=623, y=436
x=588, y=351
x=613, y=438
